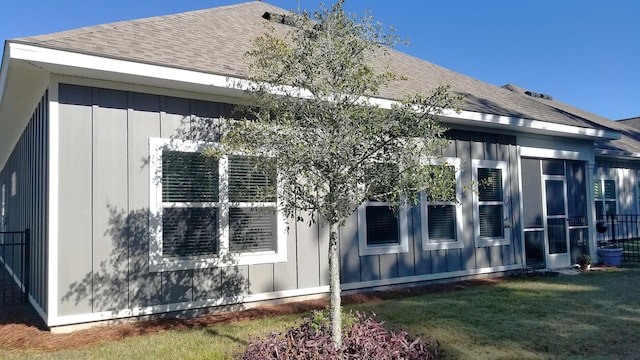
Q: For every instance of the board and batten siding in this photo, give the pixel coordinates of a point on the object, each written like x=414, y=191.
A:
x=104, y=218
x=417, y=263
x=25, y=179
x=627, y=176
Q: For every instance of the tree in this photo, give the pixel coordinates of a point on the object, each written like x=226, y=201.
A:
x=312, y=115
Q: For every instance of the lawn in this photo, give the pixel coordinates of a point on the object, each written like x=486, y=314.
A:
x=593, y=315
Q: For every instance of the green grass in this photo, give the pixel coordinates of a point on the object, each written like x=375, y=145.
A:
x=594, y=315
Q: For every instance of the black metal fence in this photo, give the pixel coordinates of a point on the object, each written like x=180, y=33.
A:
x=14, y=266
x=623, y=230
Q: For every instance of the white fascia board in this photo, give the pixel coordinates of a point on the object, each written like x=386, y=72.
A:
x=616, y=154
x=4, y=69
x=516, y=123
x=52, y=59
x=466, y=117
x=73, y=60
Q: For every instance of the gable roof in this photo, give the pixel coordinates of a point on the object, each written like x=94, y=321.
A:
x=214, y=41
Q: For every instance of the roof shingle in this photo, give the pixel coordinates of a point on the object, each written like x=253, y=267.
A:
x=215, y=40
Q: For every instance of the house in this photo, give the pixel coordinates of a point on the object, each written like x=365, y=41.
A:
x=86, y=117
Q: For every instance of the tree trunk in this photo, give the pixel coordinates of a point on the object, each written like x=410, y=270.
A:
x=335, y=315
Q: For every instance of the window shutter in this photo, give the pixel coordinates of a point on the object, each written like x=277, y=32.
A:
x=490, y=184
x=189, y=232
x=610, y=189
x=382, y=225
x=442, y=220
x=252, y=230
x=189, y=177
x=597, y=189
x=250, y=180
x=491, y=225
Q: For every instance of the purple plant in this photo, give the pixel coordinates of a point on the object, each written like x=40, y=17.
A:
x=365, y=338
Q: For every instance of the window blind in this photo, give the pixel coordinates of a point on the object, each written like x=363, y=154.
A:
x=491, y=225
x=189, y=231
x=252, y=230
x=189, y=177
x=250, y=180
x=442, y=220
x=382, y=225
x=490, y=184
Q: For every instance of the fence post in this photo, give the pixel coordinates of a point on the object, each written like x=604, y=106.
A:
x=27, y=264
x=613, y=229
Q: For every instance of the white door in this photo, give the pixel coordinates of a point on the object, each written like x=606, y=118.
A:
x=556, y=222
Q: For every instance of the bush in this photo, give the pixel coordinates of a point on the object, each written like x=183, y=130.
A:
x=363, y=338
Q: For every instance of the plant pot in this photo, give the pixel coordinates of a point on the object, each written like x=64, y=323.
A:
x=585, y=267
x=610, y=256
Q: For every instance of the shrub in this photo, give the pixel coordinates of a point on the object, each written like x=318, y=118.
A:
x=364, y=338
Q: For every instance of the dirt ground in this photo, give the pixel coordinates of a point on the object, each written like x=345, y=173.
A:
x=22, y=328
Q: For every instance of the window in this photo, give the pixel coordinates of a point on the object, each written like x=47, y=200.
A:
x=604, y=193
x=203, y=208
x=442, y=220
x=380, y=229
x=491, y=208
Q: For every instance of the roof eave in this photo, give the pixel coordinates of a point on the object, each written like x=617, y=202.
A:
x=616, y=154
x=529, y=125
x=92, y=66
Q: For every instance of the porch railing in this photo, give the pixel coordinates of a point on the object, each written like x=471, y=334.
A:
x=623, y=229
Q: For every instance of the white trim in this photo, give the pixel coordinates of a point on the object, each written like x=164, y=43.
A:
x=364, y=249
x=523, y=255
x=601, y=179
x=184, y=306
x=14, y=183
x=428, y=277
x=80, y=61
x=459, y=221
x=534, y=126
x=64, y=62
x=54, y=188
x=3, y=71
x=504, y=168
x=3, y=208
x=156, y=260
x=275, y=295
x=534, y=152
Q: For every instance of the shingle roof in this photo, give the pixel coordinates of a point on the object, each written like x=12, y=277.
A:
x=215, y=40
x=629, y=143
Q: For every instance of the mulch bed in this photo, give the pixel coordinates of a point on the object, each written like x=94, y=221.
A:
x=22, y=328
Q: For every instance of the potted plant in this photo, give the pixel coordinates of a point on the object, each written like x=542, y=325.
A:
x=584, y=261
x=610, y=254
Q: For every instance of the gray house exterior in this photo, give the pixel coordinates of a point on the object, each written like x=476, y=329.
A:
x=87, y=117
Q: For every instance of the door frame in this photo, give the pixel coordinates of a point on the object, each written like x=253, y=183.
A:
x=556, y=260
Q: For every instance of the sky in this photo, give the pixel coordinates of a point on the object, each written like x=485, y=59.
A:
x=585, y=53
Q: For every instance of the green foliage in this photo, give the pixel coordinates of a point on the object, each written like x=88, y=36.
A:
x=311, y=110
x=583, y=259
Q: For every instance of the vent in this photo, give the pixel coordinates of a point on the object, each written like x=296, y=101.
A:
x=538, y=95
x=279, y=18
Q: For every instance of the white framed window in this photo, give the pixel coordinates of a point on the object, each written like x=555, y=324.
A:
x=604, y=194
x=442, y=225
x=208, y=211
x=381, y=230
x=492, y=222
